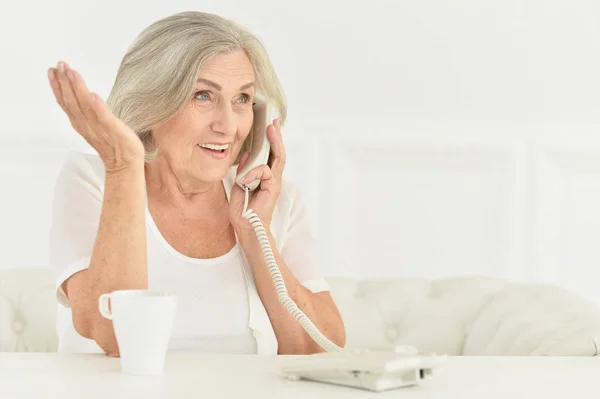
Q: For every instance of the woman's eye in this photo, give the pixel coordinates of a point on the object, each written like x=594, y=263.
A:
x=203, y=96
x=244, y=99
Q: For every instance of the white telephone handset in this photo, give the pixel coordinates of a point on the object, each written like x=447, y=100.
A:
x=372, y=369
x=264, y=114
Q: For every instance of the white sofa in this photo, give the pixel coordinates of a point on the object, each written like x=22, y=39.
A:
x=456, y=316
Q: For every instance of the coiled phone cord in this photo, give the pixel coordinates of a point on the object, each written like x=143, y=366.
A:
x=282, y=293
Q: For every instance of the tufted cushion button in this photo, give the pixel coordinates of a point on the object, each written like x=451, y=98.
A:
x=392, y=333
x=18, y=326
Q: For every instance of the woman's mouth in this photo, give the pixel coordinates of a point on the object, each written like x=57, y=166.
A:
x=217, y=151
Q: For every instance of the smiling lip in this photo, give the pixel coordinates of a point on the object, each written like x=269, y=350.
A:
x=214, y=153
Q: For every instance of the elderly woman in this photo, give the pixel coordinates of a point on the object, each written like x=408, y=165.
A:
x=158, y=209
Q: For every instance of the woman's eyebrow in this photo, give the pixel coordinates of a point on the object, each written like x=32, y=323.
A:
x=218, y=87
x=246, y=86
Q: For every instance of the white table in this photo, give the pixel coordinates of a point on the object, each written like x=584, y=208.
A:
x=36, y=375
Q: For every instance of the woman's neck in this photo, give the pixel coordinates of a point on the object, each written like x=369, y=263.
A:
x=165, y=186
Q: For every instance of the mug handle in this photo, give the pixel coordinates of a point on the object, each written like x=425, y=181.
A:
x=103, y=306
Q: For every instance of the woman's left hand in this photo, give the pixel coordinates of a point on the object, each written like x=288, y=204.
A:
x=263, y=199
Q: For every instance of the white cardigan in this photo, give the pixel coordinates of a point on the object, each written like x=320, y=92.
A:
x=76, y=211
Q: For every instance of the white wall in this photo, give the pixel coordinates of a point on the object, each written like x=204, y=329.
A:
x=430, y=138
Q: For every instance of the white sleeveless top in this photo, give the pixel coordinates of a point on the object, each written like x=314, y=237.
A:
x=219, y=309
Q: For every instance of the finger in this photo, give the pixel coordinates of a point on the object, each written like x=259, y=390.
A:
x=69, y=100
x=278, y=154
x=53, y=77
x=262, y=173
x=83, y=96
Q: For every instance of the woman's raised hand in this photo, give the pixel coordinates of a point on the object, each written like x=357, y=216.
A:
x=117, y=145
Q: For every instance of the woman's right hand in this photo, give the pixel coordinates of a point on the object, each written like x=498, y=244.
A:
x=117, y=145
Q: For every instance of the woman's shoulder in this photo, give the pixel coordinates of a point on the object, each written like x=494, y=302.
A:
x=81, y=168
x=290, y=205
x=84, y=160
x=289, y=193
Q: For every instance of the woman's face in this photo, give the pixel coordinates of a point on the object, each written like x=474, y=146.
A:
x=203, y=140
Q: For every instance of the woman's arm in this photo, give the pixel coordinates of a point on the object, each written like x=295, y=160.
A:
x=118, y=258
x=319, y=308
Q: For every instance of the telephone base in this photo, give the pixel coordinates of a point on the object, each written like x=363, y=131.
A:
x=364, y=369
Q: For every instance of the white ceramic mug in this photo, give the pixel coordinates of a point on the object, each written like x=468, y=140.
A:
x=142, y=322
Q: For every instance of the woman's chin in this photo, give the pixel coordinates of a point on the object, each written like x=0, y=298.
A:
x=212, y=174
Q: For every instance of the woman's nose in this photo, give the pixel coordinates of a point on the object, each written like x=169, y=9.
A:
x=224, y=122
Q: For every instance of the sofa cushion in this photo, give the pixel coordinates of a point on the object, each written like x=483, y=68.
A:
x=535, y=320
x=462, y=315
x=431, y=315
x=27, y=310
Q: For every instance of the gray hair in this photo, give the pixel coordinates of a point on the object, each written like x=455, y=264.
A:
x=159, y=70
